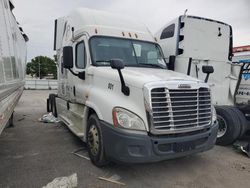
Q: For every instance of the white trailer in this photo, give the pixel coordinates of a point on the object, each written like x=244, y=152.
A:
x=116, y=93
x=242, y=55
x=189, y=43
x=12, y=62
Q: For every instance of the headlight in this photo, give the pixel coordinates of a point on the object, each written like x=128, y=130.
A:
x=214, y=115
x=126, y=119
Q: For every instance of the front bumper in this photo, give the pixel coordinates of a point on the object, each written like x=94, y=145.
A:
x=123, y=146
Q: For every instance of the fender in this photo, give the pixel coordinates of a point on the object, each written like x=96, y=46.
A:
x=92, y=105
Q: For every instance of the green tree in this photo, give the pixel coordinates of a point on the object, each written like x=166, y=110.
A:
x=42, y=66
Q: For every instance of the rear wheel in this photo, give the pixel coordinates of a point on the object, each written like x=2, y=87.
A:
x=243, y=122
x=48, y=105
x=51, y=104
x=229, y=125
x=95, y=142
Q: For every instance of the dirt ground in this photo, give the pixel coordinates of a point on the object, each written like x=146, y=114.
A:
x=33, y=153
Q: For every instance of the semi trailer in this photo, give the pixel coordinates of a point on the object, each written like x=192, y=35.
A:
x=189, y=43
x=12, y=62
x=242, y=56
x=116, y=93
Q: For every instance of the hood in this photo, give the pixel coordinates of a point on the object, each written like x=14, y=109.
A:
x=138, y=77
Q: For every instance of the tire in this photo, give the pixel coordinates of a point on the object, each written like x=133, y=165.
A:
x=95, y=144
x=243, y=122
x=49, y=103
x=48, y=106
x=52, y=104
x=229, y=125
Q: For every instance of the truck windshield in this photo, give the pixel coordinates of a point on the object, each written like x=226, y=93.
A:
x=133, y=53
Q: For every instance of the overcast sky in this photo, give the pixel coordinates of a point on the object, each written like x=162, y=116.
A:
x=37, y=16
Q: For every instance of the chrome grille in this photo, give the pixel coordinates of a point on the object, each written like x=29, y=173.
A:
x=177, y=109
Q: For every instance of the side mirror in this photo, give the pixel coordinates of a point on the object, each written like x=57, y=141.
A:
x=117, y=64
x=68, y=57
x=171, y=62
x=208, y=70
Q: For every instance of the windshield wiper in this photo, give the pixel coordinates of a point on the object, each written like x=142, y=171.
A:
x=151, y=65
x=102, y=62
x=99, y=61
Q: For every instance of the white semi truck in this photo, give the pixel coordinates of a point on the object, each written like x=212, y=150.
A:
x=189, y=43
x=116, y=93
x=12, y=62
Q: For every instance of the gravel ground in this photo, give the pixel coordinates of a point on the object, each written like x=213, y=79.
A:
x=33, y=153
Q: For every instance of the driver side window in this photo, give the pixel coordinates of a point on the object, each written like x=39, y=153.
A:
x=80, y=56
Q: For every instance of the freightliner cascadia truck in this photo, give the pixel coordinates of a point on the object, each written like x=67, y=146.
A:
x=116, y=93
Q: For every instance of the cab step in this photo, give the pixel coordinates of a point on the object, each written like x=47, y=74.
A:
x=71, y=125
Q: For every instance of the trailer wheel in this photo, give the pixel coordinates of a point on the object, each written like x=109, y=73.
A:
x=52, y=104
x=243, y=121
x=229, y=125
x=95, y=142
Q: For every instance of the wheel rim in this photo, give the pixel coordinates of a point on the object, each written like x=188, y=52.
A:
x=93, y=140
x=222, y=126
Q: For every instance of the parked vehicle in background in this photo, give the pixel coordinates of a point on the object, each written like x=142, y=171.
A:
x=242, y=55
x=189, y=43
x=116, y=93
x=12, y=62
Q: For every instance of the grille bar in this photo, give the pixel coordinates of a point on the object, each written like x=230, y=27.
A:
x=168, y=126
x=180, y=109
x=155, y=117
x=170, y=111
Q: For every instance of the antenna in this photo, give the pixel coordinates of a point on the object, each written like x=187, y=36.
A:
x=185, y=12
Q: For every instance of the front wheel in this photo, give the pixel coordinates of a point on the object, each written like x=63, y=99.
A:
x=95, y=142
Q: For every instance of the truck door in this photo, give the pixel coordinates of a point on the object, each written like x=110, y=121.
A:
x=79, y=86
